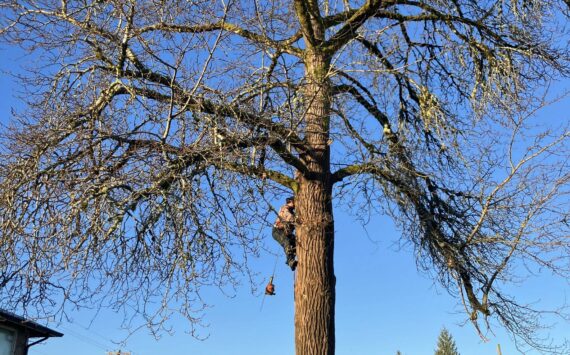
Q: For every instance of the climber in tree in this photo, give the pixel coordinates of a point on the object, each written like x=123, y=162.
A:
x=283, y=231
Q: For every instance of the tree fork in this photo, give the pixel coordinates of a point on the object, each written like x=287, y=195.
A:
x=315, y=281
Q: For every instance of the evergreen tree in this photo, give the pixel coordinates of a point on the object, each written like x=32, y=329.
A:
x=446, y=344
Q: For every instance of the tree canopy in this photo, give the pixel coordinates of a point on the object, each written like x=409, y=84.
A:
x=157, y=135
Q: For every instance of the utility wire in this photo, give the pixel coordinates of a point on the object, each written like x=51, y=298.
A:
x=86, y=339
x=89, y=340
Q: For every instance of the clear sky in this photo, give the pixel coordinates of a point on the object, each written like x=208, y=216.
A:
x=383, y=303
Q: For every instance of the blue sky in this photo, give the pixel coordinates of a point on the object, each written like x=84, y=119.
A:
x=383, y=303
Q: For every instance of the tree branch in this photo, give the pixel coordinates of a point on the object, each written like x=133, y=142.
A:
x=351, y=25
x=279, y=45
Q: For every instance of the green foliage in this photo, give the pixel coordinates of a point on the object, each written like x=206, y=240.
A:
x=446, y=344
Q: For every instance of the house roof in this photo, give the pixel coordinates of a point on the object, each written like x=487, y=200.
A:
x=33, y=329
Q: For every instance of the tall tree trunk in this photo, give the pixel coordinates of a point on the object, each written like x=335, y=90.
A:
x=315, y=280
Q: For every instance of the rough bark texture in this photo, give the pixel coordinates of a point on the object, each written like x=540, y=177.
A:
x=315, y=280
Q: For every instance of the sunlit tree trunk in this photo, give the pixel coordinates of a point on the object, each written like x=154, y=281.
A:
x=315, y=280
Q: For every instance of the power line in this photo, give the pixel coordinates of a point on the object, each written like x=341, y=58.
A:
x=86, y=339
x=105, y=345
x=91, y=331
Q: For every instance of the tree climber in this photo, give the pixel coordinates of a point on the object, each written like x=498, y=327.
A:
x=283, y=231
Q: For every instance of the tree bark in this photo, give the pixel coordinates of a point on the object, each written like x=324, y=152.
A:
x=315, y=280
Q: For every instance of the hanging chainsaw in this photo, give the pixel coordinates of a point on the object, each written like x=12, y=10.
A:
x=270, y=288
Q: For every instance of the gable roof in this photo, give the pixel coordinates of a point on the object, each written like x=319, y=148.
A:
x=33, y=329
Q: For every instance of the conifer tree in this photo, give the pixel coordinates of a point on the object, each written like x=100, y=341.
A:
x=446, y=344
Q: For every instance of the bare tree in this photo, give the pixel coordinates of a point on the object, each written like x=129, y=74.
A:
x=158, y=132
